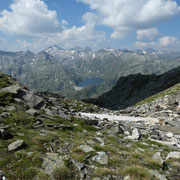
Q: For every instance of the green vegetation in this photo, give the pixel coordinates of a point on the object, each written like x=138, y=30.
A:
x=136, y=173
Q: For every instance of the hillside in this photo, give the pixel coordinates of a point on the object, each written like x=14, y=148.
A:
x=65, y=71
x=46, y=136
x=131, y=89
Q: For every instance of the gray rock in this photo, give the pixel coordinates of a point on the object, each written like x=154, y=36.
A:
x=167, y=143
x=92, y=122
x=51, y=162
x=15, y=145
x=157, y=158
x=99, y=140
x=48, y=112
x=32, y=100
x=5, y=115
x=10, y=108
x=169, y=134
x=157, y=175
x=173, y=155
x=126, y=133
x=136, y=134
x=65, y=116
x=101, y=158
x=5, y=134
x=79, y=165
x=86, y=148
x=96, y=178
x=11, y=89
x=32, y=112
x=117, y=129
x=63, y=127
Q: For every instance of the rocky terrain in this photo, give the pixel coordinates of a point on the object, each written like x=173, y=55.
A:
x=47, y=137
x=131, y=89
x=63, y=71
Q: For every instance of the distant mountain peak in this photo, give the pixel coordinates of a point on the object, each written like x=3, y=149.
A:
x=55, y=47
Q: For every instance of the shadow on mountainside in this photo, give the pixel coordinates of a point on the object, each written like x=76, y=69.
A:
x=132, y=89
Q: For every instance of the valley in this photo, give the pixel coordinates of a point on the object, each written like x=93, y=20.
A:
x=62, y=71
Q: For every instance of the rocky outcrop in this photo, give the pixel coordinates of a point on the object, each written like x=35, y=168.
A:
x=133, y=88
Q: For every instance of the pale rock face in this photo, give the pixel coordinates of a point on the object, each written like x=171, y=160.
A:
x=173, y=155
x=157, y=158
x=101, y=158
x=86, y=148
x=51, y=162
x=169, y=135
x=15, y=145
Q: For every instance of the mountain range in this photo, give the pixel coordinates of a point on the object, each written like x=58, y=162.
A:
x=81, y=73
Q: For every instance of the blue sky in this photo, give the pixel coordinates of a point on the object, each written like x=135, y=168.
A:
x=37, y=24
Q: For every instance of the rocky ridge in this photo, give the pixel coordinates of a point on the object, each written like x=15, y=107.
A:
x=131, y=89
x=46, y=136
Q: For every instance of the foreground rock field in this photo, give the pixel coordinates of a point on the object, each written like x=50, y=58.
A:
x=48, y=137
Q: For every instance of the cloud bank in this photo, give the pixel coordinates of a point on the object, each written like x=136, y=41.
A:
x=124, y=16
x=31, y=19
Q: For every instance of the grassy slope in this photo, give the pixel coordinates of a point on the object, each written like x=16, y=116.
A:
x=123, y=159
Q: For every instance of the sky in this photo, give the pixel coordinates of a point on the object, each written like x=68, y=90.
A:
x=134, y=24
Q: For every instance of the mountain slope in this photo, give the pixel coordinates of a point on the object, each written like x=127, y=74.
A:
x=133, y=88
x=62, y=70
x=44, y=137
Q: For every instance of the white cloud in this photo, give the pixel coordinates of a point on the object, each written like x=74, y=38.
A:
x=147, y=34
x=27, y=17
x=127, y=15
x=64, y=22
x=32, y=18
x=168, y=41
x=144, y=45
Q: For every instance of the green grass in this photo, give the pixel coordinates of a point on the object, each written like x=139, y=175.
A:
x=80, y=106
x=136, y=173
x=4, y=80
x=20, y=165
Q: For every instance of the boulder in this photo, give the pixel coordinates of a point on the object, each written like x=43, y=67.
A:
x=117, y=129
x=31, y=99
x=157, y=158
x=63, y=127
x=51, y=162
x=15, y=145
x=156, y=174
x=92, y=122
x=5, y=134
x=173, y=155
x=101, y=158
x=11, y=89
x=136, y=134
x=99, y=140
x=86, y=148
x=32, y=112
x=5, y=115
